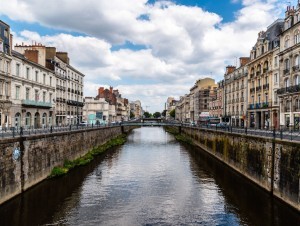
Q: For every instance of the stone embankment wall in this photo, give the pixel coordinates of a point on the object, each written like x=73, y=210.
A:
x=270, y=163
x=26, y=161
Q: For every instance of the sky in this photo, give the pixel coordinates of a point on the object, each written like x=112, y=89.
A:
x=147, y=49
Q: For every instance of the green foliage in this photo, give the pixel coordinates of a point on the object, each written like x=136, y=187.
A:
x=164, y=113
x=132, y=115
x=172, y=113
x=157, y=114
x=147, y=114
x=88, y=157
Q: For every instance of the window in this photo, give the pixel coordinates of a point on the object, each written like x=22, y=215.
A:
x=27, y=93
x=276, y=61
x=296, y=80
x=296, y=60
x=286, y=83
x=17, y=92
x=27, y=73
x=296, y=37
x=36, y=76
x=258, y=82
x=44, y=79
x=6, y=89
x=266, y=79
x=44, y=97
x=275, y=78
x=36, y=96
x=1, y=88
x=258, y=98
x=286, y=42
x=266, y=97
x=50, y=97
x=50, y=81
x=287, y=64
x=252, y=99
x=17, y=69
x=6, y=33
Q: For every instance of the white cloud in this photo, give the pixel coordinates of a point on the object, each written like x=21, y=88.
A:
x=183, y=43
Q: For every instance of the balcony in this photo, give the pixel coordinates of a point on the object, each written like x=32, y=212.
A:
x=296, y=68
x=266, y=86
x=233, y=101
x=242, y=99
x=39, y=104
x=242, y=86
x=258, y=88
x=237, y=100
x=286, y=71
x=296, y=108
x=265, y=70
x=252, y=90
x=287, y=109
x=251, y=106
x=291, y=89
x=75, y=103
x=265, y=105
x=251, y=75
x=258, y=105
x=258, y=73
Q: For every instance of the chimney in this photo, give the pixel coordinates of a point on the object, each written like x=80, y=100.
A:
x=50, y=52
x=100, y=91
x=111, y=89
x=229, y=69
x=63, y=56
x=244, y=61
x=10, y=42
x=32, y=55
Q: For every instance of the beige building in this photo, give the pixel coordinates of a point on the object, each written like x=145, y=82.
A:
x=235, y=101
x=261, y=111
x=216, y=105
x=69, y=81
x=289, y=63
x=136, y=108
x=5, y=75
x=170, y=106
x=203, y=92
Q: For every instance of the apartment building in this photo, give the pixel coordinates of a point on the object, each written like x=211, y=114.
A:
x=5, y=75
x=289, y=64
x=136, y=108
x=69, y=81
x=235, y=81
x=32, y=93
x=95, y=110
x=171, y=105
x=216, y=104
x=261, y=111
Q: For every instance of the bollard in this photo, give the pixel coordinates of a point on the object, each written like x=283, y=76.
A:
x=70, y=127
x=291, y=135
x=274, y=133
x=246, y=130
x=231, y=129
x=92, y=125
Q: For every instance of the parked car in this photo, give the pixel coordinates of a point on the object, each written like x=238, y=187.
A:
x=222, y=125
x=83, y=123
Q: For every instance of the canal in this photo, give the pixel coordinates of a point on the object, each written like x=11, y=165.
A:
x=151, y=180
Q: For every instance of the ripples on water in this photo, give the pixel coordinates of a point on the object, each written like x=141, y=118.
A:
x=153, y=180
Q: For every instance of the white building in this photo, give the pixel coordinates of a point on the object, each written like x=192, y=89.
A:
x=96, y=110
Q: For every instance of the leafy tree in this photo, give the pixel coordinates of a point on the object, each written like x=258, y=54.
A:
x=132, y=115
x=157, y=114
x=172, y=113
x=164, y=113
x=147, y=114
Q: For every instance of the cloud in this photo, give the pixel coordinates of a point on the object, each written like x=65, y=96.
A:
x=183, y=43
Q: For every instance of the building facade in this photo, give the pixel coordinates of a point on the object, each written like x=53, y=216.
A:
x=289, y=63
x=95, y=111
x=261, y=113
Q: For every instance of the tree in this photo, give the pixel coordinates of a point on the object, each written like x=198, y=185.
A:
x=157, y=114
x=164, y=113
x=147, y=114
x=172, y=113
x=132, y=115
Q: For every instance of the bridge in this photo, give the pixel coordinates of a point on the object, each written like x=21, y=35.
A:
x=150, y=123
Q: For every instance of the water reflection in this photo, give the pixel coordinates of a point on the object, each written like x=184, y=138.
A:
x=151, y=180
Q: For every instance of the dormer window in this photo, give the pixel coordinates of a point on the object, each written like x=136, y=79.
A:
x=286, y=42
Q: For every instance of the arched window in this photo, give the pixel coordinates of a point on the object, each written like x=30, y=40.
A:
x=44, y=119
x=287, y=42
x=258, y=71
x=266, y=66
x=296, y=62
x=28, y=119
x=296, y=37
x=18, y=120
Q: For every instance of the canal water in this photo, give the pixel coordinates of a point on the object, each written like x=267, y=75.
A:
x=151, y=180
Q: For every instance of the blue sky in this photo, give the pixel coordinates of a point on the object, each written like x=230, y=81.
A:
x=148, y=50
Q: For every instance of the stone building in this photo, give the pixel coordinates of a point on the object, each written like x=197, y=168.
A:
x=136, y=108
x=5, y=75
x=235, y=101
x=170, y=105
x=217, y=103
x=289, y=63
x=203, y=92
x=262, y=110
x=69, y=81
x=32, y=93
